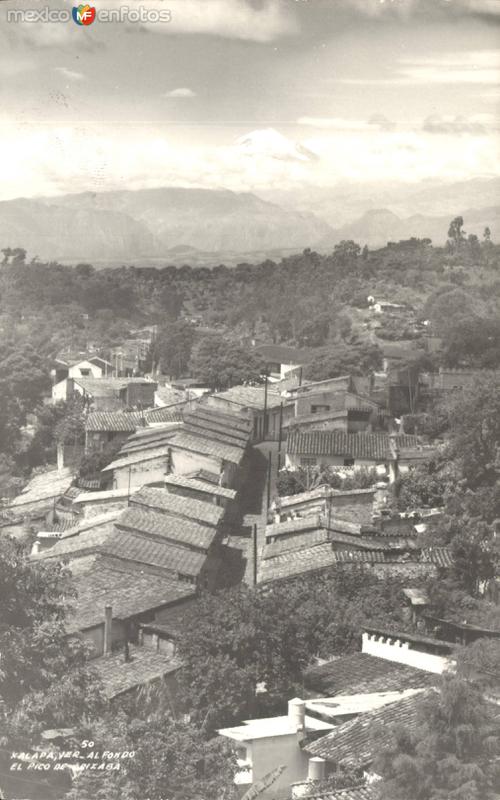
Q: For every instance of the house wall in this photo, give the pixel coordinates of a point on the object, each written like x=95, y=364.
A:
x=90, y=370
x=393, y=649
x=184, y=462
x=95, y=636
x=98, y=507
x=137, y=475
x=294, y=461
x=266, y=754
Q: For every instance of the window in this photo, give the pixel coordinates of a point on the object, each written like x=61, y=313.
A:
x=348, y=462
x=319, y=409
x=84, y=372
x=307, y=462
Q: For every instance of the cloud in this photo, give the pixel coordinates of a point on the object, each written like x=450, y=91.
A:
x=376, y=122
x=381, y=122
x=181, y=92
x=449, y=124
x=70, y=74
x=425, y=8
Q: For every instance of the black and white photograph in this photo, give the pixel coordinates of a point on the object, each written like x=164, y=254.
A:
x=250, y=400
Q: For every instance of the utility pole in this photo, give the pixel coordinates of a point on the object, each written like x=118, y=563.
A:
x=280, y=436
x=255, y=555
x=269, y=457
x=264, y=429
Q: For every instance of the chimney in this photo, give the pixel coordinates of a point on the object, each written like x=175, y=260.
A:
x=108, y=630
x=60, y=455
x=316, y=771
x=297, y=713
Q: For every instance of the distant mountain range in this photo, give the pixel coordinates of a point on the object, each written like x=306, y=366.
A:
x=150, y=223
x=189, y=225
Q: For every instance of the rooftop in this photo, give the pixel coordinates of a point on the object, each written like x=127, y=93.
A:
x=176, y=505
x=44, y=486
x=363, y=673
x=166, y=527
x=354, y=742
x=117, y=421
x=138, y=457
x=204, y=417
x=252, y=397
x=368, y=792
x=199, y=444
x=183, y=482
x=129, y=591
x=167, y=414
x=229, y=419
x=145, y=666
x=128, y=546
x=352, y=704
x=289, y=565
x=371, y=446
x=271, y=726
x=108, y=387
x=106, y=494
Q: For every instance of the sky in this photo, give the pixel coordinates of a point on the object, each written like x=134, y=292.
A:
x=249, y=95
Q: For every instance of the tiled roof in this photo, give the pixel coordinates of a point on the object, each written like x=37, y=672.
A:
x=289, y=545
x=146, y=665
x=383, y=556
x=361, y=673
x=168, y=503
x=166, y=527
x=209, y=422
x=231, y=419
x=292, y=526
x=204, y=475
x=168, y=396
x=288, y=565
x=129, y=592
x=149, y=440
x=218, y=436
x=352, y=793
x=251, y=397
x=305, y=540
x=116, y=421
x=139, y=456
x=90, y=523
x=129, y=546
x=371, y=446
x=200, y=486
x=354, y=741
x=44, y=486
x=167, y=414
x=199, y=444
x=440, y=556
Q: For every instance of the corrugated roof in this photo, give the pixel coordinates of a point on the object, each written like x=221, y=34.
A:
x=363, y=673
x=168, y=528
x=118, y=676
x=371, y=446
x=199, y=444
x=107, y=581
x=184, y=482
x=168, y=503
x=354, y=743
x=117, y=421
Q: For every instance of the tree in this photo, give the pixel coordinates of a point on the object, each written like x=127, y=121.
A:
x=171, y=759
x=455, y=232
x=343, y=359
x=452, y=754
x=220, y=363
x=173, y=347
x=44, y=677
